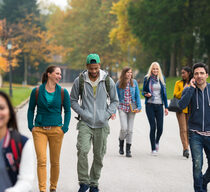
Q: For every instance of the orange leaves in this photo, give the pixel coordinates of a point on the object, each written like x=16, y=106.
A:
x=4, y=59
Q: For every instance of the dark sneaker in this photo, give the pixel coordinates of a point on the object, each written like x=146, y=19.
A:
x=83, y=187
x=94, y=189
x=186, y=153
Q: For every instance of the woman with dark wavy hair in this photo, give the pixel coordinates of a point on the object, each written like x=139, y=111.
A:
x=16, y=152
x=182, y=117
x=129, y=105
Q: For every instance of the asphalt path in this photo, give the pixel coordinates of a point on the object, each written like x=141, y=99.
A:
x=167, y=172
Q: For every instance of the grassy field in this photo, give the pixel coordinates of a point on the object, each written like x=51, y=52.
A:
x=20, y=93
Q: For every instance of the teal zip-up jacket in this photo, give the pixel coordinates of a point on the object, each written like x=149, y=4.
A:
x=49, y=115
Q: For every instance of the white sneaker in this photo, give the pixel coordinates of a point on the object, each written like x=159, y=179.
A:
x=157, y=147
x=154, y=153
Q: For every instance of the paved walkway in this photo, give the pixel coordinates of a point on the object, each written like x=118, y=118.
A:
x=167, y=172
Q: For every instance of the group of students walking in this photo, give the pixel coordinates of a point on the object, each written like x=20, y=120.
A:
x=88, y=98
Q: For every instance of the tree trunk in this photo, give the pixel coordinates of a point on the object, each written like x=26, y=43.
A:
x=208, y=62
x=25, y=69
x=164, y=67
x=172, y=72
x=1, y=80
x=190, y=60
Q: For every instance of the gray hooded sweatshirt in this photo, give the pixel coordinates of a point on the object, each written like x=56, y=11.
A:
x=94, y=110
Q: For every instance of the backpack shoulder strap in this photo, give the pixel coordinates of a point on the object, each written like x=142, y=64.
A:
x=37, y=93
x=62, y=96
x=107, y=84
x=81, y=85
x=16, y=146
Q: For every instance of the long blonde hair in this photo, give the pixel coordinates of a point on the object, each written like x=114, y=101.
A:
x=159, y=76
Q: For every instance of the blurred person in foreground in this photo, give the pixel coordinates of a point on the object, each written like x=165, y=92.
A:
x=17, y=156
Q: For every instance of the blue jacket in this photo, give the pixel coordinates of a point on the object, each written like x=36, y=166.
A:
x=199, y=105
x=135, y=96
x=147, y=90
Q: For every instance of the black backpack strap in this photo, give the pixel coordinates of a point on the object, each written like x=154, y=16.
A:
x=107, y=84
x=81, y=85
x=81, y=88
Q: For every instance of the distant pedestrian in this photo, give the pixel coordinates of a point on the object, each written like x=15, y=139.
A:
x=94, y=87
x=154, y=91
x=183, y=116
x=197, y=97
x=48, y=127
x=16, y=152
x=129, y=105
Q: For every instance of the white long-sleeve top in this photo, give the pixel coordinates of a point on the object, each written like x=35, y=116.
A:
x=27, y=170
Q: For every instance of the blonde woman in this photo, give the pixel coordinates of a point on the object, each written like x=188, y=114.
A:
x=154, y=91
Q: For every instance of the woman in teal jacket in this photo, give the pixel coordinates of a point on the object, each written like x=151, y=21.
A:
x=48, y=126
x=129, y=105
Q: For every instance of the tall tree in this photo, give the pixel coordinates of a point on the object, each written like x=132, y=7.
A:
x=84, y=28
x=121, y=33
x=14, y=10
x=158, y=25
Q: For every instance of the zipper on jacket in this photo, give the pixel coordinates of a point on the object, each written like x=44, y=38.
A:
x=203, y=111
x=94, y=111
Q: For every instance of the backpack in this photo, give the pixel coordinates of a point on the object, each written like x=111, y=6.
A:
x=12, y=151
x=81, y=85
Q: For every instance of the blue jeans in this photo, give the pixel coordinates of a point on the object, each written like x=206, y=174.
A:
x=198, y=143
x=155, y=116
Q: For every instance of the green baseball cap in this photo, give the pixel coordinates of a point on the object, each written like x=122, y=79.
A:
x=93, y=58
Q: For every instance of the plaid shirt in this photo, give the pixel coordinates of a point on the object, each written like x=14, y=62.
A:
x=127, y=100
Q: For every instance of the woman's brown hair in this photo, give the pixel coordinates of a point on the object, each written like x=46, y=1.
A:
x=50, y=69
x=12, y=123
x=122, y=80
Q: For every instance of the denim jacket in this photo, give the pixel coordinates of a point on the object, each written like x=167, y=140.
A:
x=135, y=96
x=147, y=90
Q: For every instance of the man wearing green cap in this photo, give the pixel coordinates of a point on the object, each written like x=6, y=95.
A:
x=94, y=114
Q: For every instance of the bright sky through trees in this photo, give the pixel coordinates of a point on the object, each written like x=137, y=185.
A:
x=60, y=3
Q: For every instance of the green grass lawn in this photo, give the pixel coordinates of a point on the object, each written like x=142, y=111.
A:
x=20, y=93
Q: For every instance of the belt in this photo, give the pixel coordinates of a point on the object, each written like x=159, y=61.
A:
x=47, y=128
